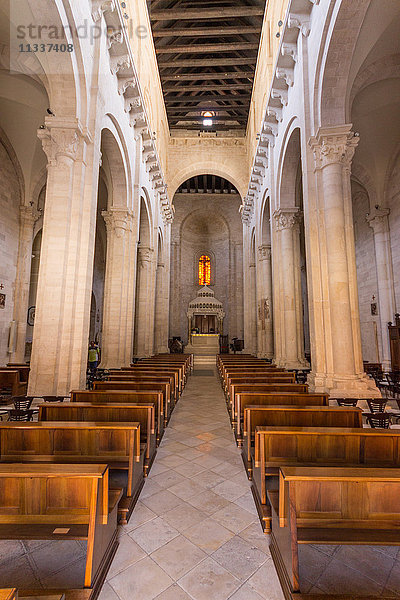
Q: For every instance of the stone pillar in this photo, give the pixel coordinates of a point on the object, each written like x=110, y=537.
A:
x=252, y=282
x=60, y=340
x=117, y=338
x=145, y=307
x=28, y=216
x=161, y=326
x=264, y=300
x=379, y=222
x=291, y=314
x=336, y=354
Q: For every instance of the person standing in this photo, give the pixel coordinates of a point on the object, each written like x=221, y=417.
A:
x=93, y=357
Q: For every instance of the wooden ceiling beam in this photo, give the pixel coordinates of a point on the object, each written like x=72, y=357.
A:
x=205, y=88
x=210, y=76
x=205, y=32
x=216, y=120
x=200, y=127
x=209, y=97
x=207, y=48
x=207, y=62
x=205, y=14
x=193, y=109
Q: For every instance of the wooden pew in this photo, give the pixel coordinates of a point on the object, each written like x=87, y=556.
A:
x=248, y=370
x=270, y=377
x=182, y=365
x=260, y=387
x=140, y=385
x=8, y=594
x=330, y=506
x=168, y=380
x=293, y=416
x=10, y=378
x=115, y=444
x=144, y=414
x=276, y=447
x=176, y=370
x=128, y=372
x=189, y=358
x=62, y=502
x=242, y=400
x=126, y=396
x=23, y=370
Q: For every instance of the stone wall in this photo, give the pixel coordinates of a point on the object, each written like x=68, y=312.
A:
x=210, y=224
x=9, y=233
x=393, y=202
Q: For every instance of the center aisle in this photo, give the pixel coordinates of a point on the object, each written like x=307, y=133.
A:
x=194, y=533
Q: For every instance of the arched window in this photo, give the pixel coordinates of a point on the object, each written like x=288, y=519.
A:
x=204, y=270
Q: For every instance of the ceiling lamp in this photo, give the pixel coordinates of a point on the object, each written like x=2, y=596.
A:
x=208, y=118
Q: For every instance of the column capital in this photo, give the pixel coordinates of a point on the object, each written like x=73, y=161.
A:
x=28, y=215
x=146, y=255
x=334, y=145
x=378, y=219
x=61, y=139
x=287, y=218
x=264, y=252
x=118, y=220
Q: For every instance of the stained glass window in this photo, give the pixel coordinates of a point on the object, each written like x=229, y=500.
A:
x=204, y=270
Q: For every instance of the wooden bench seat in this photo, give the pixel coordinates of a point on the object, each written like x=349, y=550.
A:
x=249, y=371
x=242, y=400
x=144, y=414
x=126, y=396
x=183, y=369
x=357, y=506
x=168, y=380
x=177, y=371
x=115, y=444
x=276, y=447
x=127, y=372
x=270, y=377
x=259, y=387
x=23, y=370
x=293, y=416
x=141, y=385
x=10, y=379
x=62, y=502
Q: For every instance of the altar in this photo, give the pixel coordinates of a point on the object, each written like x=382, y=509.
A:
x=205, y=323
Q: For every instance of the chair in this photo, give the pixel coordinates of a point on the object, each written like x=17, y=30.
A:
x=378, y=420
x=20, y=415
x=53, y=398
x=22, y=402
x=375, y=405
x=347, y=401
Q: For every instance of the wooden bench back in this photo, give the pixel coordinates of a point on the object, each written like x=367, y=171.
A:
x=259, y=387
x=144, y=414
x=275, y=398
x=147, y=371
x=136, y=386
x=259, y=378
x=11, y=378
x=297, y=416
x=72, y=442
x=23, y=371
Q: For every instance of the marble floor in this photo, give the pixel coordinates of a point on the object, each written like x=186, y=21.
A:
x=194, y=533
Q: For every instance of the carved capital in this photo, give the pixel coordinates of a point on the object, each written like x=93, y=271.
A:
x=99, y=7
x=264, y=252
x=378, y=220
x=60, y=139
x=145, y=256
x=287, y=218
x=334, y=145
x=28, y=215
x=118, y=221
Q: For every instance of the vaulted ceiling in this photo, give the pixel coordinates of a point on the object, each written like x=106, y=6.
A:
x=207, y=52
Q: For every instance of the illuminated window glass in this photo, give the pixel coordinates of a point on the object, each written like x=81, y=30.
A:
x=204, y=270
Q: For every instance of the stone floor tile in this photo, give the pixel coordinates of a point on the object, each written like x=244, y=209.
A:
x=230, y=490
x=184, y=516
x=140, y=515
x=366, y=559
x=246, y=592
x=154, y=534
x=161, y=502
x=247, y=502
x=150, y=487
x=190, y=469
x=107, y=593
x=186, y=489
x=19, y=573
x=234, y=517
x=208, y=535
x=266, y=583
x=156, y=469
x=192, y=442
x=144, y=580
x=172, y=460
x=178, y=557
x=175, y=592
x=256, y=537
x=208, y=502
x=239, y=557
x=339, y=578
x=127, y=554
x=207, y=461
x=10, y=550
x=169, y=478
x=189, y=454
x=209, y=580
x=226, y=469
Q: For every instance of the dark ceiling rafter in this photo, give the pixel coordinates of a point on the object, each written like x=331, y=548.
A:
x=207, y=53
x=207, y=184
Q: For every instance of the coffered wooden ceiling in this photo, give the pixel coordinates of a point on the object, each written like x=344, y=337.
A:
x=207, y=53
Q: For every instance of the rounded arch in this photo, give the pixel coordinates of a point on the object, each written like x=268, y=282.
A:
x=215, y=224
x=265, y=219
x=115, y=166
x=145, y=220
x=209, y=168
x=15, y=163
x=288, y=167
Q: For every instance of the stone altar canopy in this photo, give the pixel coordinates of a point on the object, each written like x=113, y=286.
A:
x=205, y=322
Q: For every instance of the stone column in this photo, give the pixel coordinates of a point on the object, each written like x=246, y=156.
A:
x=379, y=222
x=264, y=299
x=145, y=307
x=161, y=310
x=28, y=216
x=60, y=340
x=117, y=339
x=252, y=282
x=338, y=367
x=287, y=222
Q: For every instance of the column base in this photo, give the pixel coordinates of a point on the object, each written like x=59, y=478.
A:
x=343, y=386
x=293, y=364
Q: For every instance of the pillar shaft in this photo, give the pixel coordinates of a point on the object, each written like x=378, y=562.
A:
x=145, y=303
x=22, y=282
x=338, y=366
x=117, y=338
x=379, y=222
x=264, y=297
x=60, y=340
